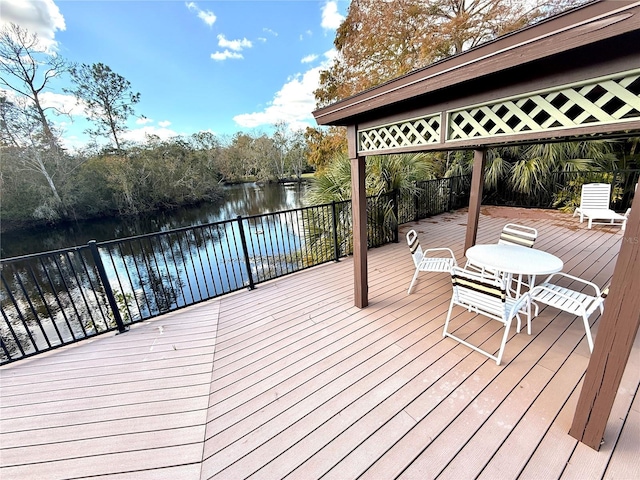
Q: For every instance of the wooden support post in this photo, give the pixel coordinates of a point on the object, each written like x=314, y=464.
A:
x=475, y=199
x=614, y=341
x=359, y=213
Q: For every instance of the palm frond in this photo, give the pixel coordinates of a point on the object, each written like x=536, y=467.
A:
x=496, y=169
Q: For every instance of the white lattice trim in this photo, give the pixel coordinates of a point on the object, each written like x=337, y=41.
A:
x=413, y=132
x=604, y=100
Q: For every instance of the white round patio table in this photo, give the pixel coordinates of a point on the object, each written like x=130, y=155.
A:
x=513, y=260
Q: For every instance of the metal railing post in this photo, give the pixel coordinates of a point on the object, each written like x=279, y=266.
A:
x=395, y=212
x=416, y=203
x=107, y=287
x=245, y=250
x=334, y=221
x=451, y=183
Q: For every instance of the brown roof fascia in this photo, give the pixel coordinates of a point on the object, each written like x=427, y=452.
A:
x=584, y=25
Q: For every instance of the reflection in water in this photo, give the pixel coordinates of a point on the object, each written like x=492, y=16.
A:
x=57, y=297
x=54, y=298
x=50, y=300
x=244, y=199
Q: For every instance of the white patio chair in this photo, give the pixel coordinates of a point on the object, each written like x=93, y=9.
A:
x=486, y=296
x=512, y=234
x=570, y=300
x=515, y=234
x=594, y=205
x=426, y=261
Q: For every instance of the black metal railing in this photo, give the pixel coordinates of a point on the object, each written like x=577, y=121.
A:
x=51, y=299
x=434, y=197
x=562, y=189
x=55, y=298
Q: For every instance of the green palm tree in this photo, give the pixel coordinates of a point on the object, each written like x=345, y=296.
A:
x=526, y=168
x=331, y=184
x=383, y=174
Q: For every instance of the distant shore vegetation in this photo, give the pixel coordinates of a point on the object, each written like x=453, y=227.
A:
x=156, y=175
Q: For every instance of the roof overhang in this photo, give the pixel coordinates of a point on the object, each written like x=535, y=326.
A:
x=591, y=53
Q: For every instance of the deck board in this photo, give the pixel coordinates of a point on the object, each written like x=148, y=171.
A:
x=625, y=461
x=528, y=431
x=290, y=380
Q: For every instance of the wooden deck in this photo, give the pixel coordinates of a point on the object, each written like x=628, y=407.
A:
x=291, y=381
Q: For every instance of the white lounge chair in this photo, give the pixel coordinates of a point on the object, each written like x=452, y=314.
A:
x=426, y=261
x=573, y=301
x=594, y=205
x=486, y=296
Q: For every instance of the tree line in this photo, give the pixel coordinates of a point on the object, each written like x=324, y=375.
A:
x=43, y=182
x=47, y=185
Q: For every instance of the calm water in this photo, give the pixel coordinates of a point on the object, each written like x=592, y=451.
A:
x=245, y=199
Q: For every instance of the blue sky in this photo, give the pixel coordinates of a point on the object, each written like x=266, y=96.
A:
x=219, y=66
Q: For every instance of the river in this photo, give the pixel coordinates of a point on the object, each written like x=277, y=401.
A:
x=242, y=199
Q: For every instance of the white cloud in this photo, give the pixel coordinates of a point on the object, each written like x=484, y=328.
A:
x=330, y=55
x=77, y=141
x=41, y=17
x=293, y=104
x=220, y=56
x=68, y=104
x=207, y=16
x=331, y=18
x=268, y=30
x=65, y=104
x=62, y=104
x=73, y=143
x=139, y=135
x=309, y=58
x=237, y=45
x=146, y=121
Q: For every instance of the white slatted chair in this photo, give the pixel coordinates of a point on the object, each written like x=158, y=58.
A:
x=486, y=296
x=571, y=301
x=428, y=260
x=515, y=234
x=512, y=234
x=594, y=206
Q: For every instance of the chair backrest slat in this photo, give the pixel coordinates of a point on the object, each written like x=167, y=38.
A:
x=595, y=196
x=414, y=247
x=514, y=234
x=487, y=295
